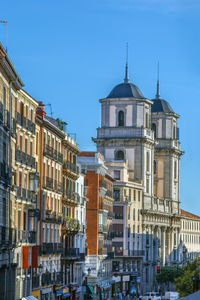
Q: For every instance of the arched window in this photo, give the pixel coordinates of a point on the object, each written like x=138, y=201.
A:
x=154, y=129
x=119, y=155
x=121, y=118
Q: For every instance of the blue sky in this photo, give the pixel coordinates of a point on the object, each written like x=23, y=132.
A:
x=72, y=53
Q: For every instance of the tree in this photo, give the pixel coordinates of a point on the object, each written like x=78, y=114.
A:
x=189, y=281
x=168, y=274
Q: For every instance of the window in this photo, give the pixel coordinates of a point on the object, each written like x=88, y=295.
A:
x=148, y=162
x=121, y=118
x=119, y=155
x=134, y=214
x=174, y=132
x=154, y=167
x=26, y=145
x=116, y=174
x=154, y=129
x=147, y=185
x=175, y=170
x=20, y=142
x=147, y=120
x=31, y=148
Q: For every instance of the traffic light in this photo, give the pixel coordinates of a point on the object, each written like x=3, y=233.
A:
x=158, y=269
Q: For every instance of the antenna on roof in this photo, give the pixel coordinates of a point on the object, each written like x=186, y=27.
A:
x=158, y=82
x=126, y=79
x=51, y=112
x=4, y=22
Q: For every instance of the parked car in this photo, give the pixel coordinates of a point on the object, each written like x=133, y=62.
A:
x=150, y=296
x=170, y=296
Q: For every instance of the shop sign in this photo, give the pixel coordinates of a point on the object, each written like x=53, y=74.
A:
x=47, y=290
x=117, y=278
x=66, y=290
x=126, y=278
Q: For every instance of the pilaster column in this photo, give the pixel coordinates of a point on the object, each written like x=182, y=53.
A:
x=163, y=245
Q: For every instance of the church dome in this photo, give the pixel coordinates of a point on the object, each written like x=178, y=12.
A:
x=126, y=90
x=161, y=105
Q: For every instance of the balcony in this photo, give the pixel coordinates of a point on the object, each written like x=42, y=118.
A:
x=111, y=215
x=52, y=217
x=52, y=184
x=70, y=225
x=25, y=195
x=71, y=169
x=130, y=253
x=25, y=159
x=5, y=173
x=7, y=237
x=103, y=228
x=109, y=194
x=71, y=253
x=50, y=248
x=58, y=186
x=71, y=197
x=27, y=237
x=52, y=153
x=25, y=123
x=48, y=182
x=103, y=184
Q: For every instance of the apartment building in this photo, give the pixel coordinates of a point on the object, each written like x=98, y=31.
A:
x=71, y=226
x=25, y=180
x=50, y=161
x=189, y=236
x=80, y=237
x=98, y=263
x=10, y=84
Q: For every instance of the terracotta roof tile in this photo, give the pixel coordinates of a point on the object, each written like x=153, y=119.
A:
x=189, y=215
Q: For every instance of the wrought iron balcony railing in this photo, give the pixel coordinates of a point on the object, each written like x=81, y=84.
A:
x=71, y=253
x=52, y=153
x=25, y=123
x=70, y=167
x=25, y=158
x=7, y=237
x=51, y=248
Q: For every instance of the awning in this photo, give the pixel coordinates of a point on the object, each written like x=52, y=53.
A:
x=29, y=298
x=90, y=289
x=66, y=295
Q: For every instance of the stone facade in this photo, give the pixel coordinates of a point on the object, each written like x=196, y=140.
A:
x=138, y=138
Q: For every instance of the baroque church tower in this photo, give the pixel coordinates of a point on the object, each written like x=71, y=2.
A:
x=138, y=138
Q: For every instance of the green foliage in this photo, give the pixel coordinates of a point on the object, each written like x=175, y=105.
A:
x=168, y=274
x=188, y=281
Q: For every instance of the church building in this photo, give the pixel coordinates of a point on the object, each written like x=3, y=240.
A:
x=139, y=139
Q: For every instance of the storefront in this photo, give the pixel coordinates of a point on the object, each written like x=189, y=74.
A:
x=36, y=293
x=47, y=293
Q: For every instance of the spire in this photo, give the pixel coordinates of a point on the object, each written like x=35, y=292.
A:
x=158, y=84
x=126, y=79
